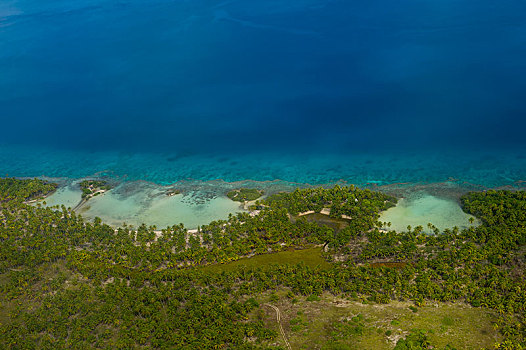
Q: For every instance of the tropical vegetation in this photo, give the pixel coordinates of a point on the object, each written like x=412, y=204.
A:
x=244, y=194
x=66, y=282
x=92, y=188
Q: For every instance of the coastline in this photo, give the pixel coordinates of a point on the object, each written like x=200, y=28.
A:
x=200, y=202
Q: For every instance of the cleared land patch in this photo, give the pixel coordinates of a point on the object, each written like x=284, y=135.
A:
x=336, y=224
x=310, y=257
x=336, y=323
x=244, y=194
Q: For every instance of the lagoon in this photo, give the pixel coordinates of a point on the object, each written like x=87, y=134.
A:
x=419, y=209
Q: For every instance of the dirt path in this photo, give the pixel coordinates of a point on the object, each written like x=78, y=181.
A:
x=278, y=318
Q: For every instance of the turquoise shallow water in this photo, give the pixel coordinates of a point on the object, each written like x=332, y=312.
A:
x=142, y=179
x=419, y=209
x=304, y=91
x=137, y=202
x=489, y=169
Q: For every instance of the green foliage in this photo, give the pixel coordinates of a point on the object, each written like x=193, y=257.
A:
x=347, y=328
x=447, y=321
x=244, y=194
x=335, y=346
x=24, y=190
x=498, y=210
x=363, y=206
x=297, y=324
x=313, y=298
x=311, y=257
x=137, y=288
x=350, y=201
x=93, y=187
x=417, y=340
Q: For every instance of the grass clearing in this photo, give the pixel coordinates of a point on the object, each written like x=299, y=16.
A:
x=244, y=194
x=336, y=323
x=310, y=257
x=336, y=224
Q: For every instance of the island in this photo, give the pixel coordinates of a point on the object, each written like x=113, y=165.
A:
x=269, y=278
x=172, y=192
x=245, y=194
x=93, y=188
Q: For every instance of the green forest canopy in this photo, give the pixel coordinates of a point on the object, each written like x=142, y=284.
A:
x=69, y=283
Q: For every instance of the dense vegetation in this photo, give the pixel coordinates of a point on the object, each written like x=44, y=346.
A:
x=244, y=194
x=68, y=283
x=352, y=202
x=362, y=207
x=24, y=190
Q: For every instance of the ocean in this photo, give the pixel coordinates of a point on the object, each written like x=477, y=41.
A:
x=301, y=91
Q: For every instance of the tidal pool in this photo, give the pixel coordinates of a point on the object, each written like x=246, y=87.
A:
x=69, y=196
x=420, y=209
x=161, y=211
x=140, y=202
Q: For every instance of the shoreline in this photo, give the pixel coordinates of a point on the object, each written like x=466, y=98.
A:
x=278, y=184
x=202, y=191
x=198, y=202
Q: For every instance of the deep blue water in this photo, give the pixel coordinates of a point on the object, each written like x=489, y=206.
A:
x=301, y=90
